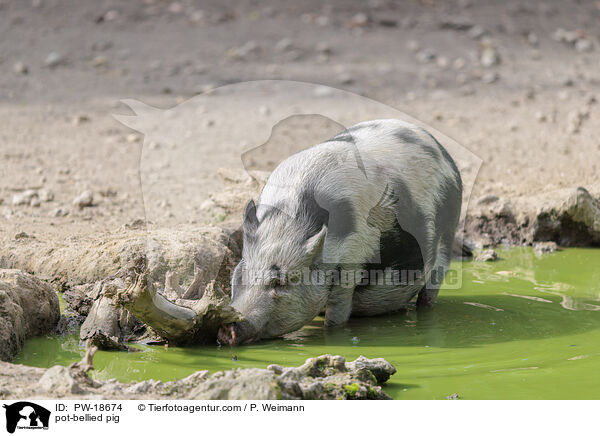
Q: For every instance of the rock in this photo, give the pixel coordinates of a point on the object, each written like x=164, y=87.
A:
x=476, y=32
x=323, y=47
x=583, y=45
x=381, y=368
x=100, y=61
x=490, y=77
x=456, y=23
x=359, y=20
x=239, y=384
x=85, y=199
x=425, y=55
x=133, y=138
x=575, y=119
x=504, y=210
x=24, y=198
x=489, y=55
x=53, y=60
x=487, y=199
x=22, y=235
x=284, y=45
x=29, y=307
x=545, y=247
x=487, y=256
x=533, y=39
x=576, y=38
x=20, y=68
x=111, y=15
x=572, y=222
x=412, y=45
x=59, y=212
x=59, y=382
x=323, y=377
x=45, y=195
x=454, y=396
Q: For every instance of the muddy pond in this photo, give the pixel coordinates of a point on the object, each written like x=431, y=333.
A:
x=524, y=327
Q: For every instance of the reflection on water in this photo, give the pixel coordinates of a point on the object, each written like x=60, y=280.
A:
x=526, y=326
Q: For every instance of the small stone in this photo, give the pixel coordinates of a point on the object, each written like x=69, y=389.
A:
x=59, y=381
x=487, y=256
x=489, y=56
x=111, y=15
x=35, y=202
x=442, y=62
x=80, y=119
x=345, y=78
x=284, y=45
x=24, y=198
x=22, y=235
x=583, y=45
x=454, y=396
x=541, y=117
x=425, y=55
x=264, y=110
x=323, y=47
x=504, y=210
x=533, y=39
x=58, y=213
x=490, y=77
x=359, y=20
x=133, y=138
x=85, y=199
x=53, y=60
x=459, y=63
x=575, y=120
x=20, y=68
x=99, y=61
x=476, y=32
x=488, y=199
x=545, y=247
x=412, y=45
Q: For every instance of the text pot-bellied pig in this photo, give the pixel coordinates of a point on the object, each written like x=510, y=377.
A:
x=355, y=226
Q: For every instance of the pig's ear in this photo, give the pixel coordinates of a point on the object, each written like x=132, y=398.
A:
x=250, y=219
x=314, y=244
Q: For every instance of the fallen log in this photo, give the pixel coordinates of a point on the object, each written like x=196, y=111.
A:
x=183, y=321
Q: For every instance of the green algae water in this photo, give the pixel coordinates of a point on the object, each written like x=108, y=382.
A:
x=524, y=327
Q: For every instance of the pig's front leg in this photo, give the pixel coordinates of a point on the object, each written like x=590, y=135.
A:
x=339, y=305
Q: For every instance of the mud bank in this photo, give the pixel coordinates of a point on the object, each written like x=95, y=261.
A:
x=323, y=377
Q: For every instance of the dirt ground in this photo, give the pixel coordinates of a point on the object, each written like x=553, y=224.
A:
x=514, y=82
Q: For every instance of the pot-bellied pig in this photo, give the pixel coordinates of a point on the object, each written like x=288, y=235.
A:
x=358, y=225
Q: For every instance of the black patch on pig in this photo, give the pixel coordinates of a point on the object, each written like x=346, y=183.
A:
x=409, y=136
x=409, y=215
x=399, y=250
x=448, y=159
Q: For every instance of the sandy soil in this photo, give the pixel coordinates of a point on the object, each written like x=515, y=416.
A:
x=494, y=76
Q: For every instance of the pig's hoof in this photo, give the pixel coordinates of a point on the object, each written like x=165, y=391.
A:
x=424, y=302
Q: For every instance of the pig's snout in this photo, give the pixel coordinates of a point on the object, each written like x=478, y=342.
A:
x=236, y=333
x=226, y=335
